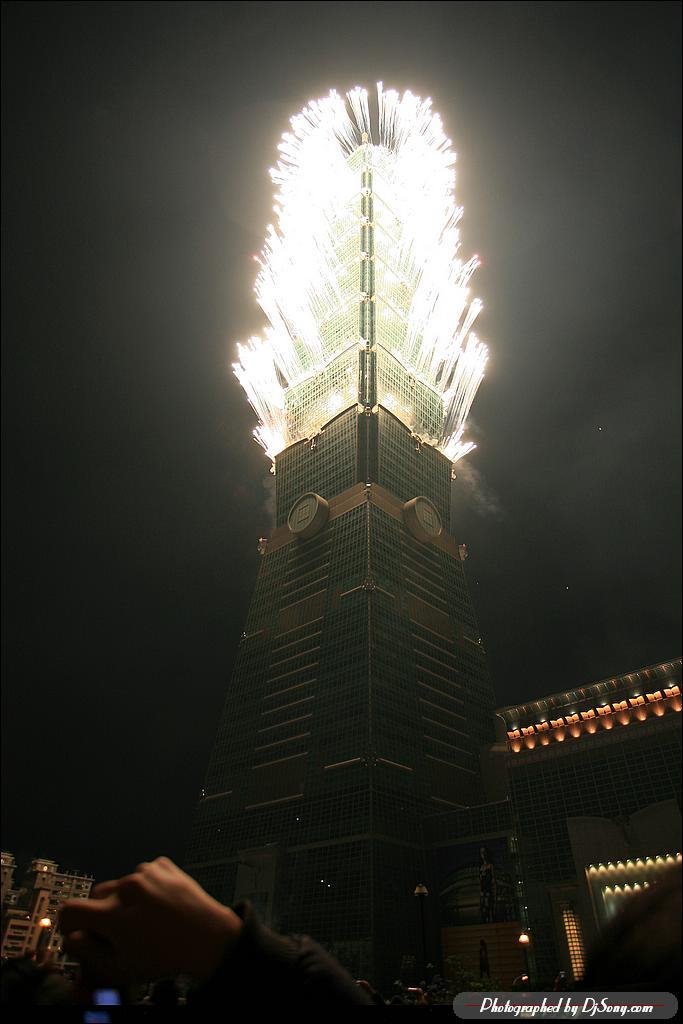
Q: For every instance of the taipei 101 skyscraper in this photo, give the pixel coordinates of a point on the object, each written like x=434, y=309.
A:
x=360, y=699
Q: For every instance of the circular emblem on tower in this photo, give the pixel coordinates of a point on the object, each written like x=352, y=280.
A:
x=422, y=519
x=308, y=515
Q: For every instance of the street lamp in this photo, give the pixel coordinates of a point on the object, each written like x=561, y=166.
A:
x=45, y=925
x=524, y=940
x=421, y=891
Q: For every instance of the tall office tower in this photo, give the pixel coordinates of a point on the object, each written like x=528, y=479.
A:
x=360, y=698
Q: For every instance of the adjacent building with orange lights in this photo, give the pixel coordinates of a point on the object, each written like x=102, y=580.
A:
x=593, y=776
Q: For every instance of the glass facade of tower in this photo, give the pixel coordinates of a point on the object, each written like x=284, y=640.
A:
x=359, y=703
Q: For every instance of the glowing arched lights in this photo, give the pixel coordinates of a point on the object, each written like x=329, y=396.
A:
x=654, y=862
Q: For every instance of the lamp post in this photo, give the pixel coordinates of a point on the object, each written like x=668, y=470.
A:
x=45, y=925
x=524, y=939
x=421, y=891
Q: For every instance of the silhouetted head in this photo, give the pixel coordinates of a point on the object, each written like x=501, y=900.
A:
x=25, y=982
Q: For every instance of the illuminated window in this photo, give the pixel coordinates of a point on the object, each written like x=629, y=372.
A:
x=574, y=936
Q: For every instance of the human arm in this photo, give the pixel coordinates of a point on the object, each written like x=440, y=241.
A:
x=159, y=921
x=155, y=922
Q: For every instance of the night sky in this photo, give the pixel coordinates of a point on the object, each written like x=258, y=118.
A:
x=137, y=139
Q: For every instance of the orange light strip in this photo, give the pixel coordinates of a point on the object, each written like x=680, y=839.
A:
x=621, y=712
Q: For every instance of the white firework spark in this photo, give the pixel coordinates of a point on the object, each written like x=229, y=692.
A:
x=308, y=283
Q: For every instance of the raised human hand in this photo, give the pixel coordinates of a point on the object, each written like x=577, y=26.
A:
x=153, y=923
